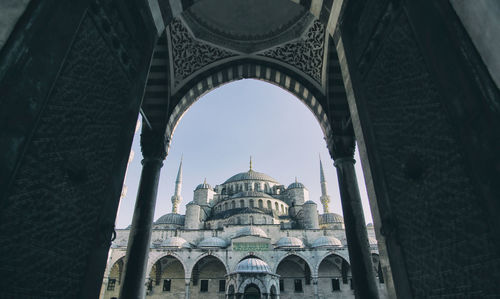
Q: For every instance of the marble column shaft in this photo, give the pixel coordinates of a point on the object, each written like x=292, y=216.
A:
x=355, y=228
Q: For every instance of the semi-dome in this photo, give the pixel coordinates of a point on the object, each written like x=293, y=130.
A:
x=212, y=242
x=175, y=242
x=289, y=242
x=251, y=231
x=251, y=194
x=326, y=242
x=171, y=218
x=250, y=175
x=296, y=185
x=252, y=265
x=330, y=218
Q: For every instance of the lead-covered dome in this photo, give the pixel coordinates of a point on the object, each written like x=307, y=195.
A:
x=330, y=218
x=290, y=242
x=252, y=265
x=171, y=218
x=251, y=231
x=175, y=242
x=326, y=242
x=250, y=175
x=212, y=242
x=204, y=185
x=296, y=185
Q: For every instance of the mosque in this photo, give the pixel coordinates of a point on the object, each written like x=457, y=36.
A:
x=249, y=237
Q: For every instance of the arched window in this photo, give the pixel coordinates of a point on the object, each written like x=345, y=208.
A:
x=225, y=206
x=233, y=205
x=257, y=187
x=261, y=204
x=251, y=219
x=242, y=203
x=282, y=209
x=266, y=188
x=264, y=220
x=269, y=205
x=276, y=207
x=238, y=220
x=251, y=203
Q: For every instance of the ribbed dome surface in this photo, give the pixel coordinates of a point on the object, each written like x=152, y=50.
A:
x=203, y=186
x=326, y=241
x=296, y=185
x=250, y=175
x=171, y=218
x=252, y=265
x=212, y=242
x=251, y=194
x=251, y=231
x=330, y=218
x=290, y=242
x=175, y=242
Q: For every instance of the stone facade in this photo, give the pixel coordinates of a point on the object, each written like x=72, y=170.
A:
x=248, y=234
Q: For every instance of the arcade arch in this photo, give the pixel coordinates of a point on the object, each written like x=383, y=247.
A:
x=295, y=276
x=208, y=278
x=334, y=276
x=166, y=279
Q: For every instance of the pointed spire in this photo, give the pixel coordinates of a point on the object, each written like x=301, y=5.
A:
x=321, y=173
x=176, y=199
x=325, y=199
x=250, y=162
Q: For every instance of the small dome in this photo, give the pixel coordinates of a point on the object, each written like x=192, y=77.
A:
x=204, y=185
x=290, y=242
x=251, y=231
x=212, y=242
x=175, y=242
x=310, y=202
x=372, y=241
x=250, y=175
x=252, y=265
x=296, y=185
x=171, y=218
x=326, y=241
x=330, y=218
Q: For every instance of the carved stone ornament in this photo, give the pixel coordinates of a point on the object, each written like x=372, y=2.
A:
x=154, y=144
x=306, y=54
x=190, y=55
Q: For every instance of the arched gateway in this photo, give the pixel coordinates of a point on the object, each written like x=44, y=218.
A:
x=416, y=82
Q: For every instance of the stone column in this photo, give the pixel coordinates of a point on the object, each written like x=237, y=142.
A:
x=188, y=281
x=154, y=147
x=342, y=151
x=315, y=287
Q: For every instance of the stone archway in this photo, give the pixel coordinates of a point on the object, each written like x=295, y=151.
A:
x=208, y=278
x=251, y=291
x=167, y=278
x=295, y=276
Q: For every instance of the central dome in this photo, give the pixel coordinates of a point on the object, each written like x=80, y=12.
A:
x=250, y=175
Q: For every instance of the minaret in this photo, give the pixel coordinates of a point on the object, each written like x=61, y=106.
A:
x=325, y=199
x=176, y=199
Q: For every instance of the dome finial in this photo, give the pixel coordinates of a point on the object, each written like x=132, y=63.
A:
x=296, y=180
x=250, y=162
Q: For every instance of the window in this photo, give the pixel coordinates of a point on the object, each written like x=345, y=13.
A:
x=269, y=205
x=282, y=209
x=298, y=285
x=204, y=285
x=257, y=187
x=251, y=203
x=251, y=219
x=276, y=207
x=335, y=284
x=282, y=285
x=264, y=220
x=238, y=220
x=233, y=205
x=242, y=203
x=261, y=204
x=222, y=285
x=111, y=284
x=166, y=285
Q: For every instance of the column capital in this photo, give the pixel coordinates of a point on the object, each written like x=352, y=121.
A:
x=154, y=144
x=341, y=146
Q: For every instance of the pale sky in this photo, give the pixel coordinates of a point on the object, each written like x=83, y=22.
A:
x=219, y=133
